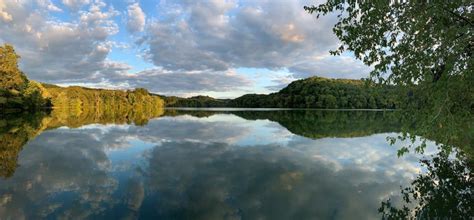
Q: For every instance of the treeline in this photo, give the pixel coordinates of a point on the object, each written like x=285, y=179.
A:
x=195, y=101
x=318, y=92
x=17, y=93
x=112, y=102
x=314, y=92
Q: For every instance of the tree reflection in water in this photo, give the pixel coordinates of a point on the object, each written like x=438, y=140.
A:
x=445, y=191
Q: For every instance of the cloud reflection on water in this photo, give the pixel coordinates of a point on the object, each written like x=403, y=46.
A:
x=215, y=167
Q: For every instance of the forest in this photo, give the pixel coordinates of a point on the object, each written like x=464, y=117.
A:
x=313, y=92
x=319, y=92
x=195, y=101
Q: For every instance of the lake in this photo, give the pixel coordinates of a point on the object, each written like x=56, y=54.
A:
x=205, y=164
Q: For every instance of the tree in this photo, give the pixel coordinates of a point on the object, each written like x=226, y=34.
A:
x=16, y=91
x=11, y=78
x=330, y=101
x=426, y=46
x=141, y=91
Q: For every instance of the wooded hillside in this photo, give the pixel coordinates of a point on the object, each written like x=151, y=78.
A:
x=314, y=92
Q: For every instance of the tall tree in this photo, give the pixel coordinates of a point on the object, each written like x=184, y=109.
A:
x=11, y=78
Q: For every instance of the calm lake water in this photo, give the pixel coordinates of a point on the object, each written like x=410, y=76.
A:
x=200, y=164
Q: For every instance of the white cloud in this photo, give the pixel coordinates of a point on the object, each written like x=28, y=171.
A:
x=136, y=18
x=58, y=51
x=223, y=35
x=75, y=4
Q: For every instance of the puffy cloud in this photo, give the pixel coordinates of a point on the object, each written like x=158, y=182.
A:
x=59, y=51
x=219, y=35
x=136, y=18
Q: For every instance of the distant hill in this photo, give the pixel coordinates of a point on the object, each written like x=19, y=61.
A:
x=195, y=101
x=314, y=92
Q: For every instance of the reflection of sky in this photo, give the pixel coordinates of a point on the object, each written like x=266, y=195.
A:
x=231, y=166
x=124, y=159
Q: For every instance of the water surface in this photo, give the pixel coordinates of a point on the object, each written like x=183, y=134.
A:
x=196, y=164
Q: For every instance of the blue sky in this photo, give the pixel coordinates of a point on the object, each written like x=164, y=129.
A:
x=213, y=47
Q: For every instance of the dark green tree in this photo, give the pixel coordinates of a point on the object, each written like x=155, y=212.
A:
x=425, y=46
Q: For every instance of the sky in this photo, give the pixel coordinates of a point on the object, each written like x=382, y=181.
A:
x=218, y=48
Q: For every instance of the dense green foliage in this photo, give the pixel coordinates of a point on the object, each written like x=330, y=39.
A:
x=318, y=92
x=195, y=101
x=314, y=92
x=16, y=91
